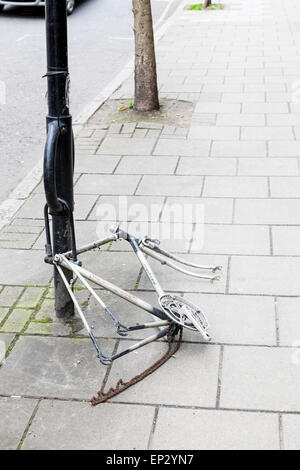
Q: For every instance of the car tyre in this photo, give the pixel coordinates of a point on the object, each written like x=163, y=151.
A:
x=1, y=7
x=70, y=6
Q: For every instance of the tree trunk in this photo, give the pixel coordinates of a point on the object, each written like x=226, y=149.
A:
x=207, y=3
x=146, y=92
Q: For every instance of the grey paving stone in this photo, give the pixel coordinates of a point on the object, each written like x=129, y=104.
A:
x=257, y=378
x=24, y=267
x=284, y=149
x=135, y=165
x=5, y=341
x=204, y=210
x=286, y=240
x=236, y=319
x=107, y=184
x=243, y=98
x=233, y=186
x=48, y=367
x=265, y=275
x=75, y=426
x=170, y=185
x=267, y=133
x=233, y=239
x=279, y=97
x=265, y=108
x=34, y=207
x=96, y=164
x=192, y=374
x=286, y=120
x=127, y=313
x=3, y=313
x=282, y=187
x=267, y=211
x=16, y=321
x=49, y=329
x=288, y=318
x=9, y=295
x=268, y=166
x=239, y=149
x=31, y=297
x=125, y=208
x=209, y=107
x=214, y=132
x=206, y=166
x=172, y=280
x=180, y=147
x=291, y=430
x=240, y=119
x=124, y=146
x=215, y=430
x=15, y=415
x=121, y=270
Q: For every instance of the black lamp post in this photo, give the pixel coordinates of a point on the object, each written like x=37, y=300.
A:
x=59, y=149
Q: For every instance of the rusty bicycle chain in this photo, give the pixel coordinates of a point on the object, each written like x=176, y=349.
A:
x=121, y=386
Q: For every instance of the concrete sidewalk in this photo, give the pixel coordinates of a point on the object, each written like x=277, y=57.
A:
x=233, y=160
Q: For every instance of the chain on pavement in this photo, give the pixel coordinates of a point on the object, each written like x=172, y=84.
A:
x=173, y=347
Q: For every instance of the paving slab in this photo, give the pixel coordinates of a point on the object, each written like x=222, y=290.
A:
x=34, y=206
x=136, y=165
x=206, y=166
x=12, y=429
x=16, y=321
x=235, y=186
x=107, y=184
x=265, y=275
x=233, y=239
x=198, y=210
x=126, y=208
x=182, y=429
x=9, y=295
x=96, y=164
x=288, y=321
x=236, y=319
x=239, y=149
x=5, y=341
x=170, y=185
x=285, y=187
x=267, y=211
x=192, y=375
x=268, y=166
x=124, y=146
x=182, y=148
x=120, y=270
x=31, y=297
x=53, y=367
x=79, y=426
x=259, y=378
x=24, y=267
x=291, y=431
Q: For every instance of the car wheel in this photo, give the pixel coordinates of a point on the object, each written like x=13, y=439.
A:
x=70, y=6
x=1, y=7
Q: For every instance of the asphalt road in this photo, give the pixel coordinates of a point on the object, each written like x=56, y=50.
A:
x=100, y=44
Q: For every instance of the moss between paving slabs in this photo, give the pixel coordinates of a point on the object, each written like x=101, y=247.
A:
x=199, y=7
